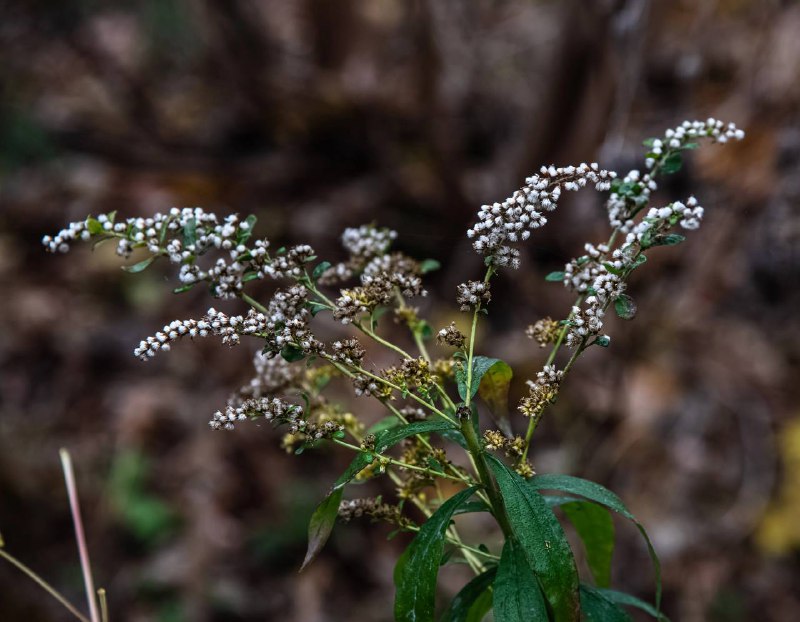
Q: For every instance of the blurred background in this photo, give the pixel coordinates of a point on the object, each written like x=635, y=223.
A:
x=321, y=114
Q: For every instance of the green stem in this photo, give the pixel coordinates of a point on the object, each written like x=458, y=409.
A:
x=43, y=584
x=495, y=498
x=253, y=303
x=399, y=463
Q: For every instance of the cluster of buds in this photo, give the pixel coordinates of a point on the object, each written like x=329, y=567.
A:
x=473, y=293
x=374, y=509
x=411, y=374
x=348, y=352
x=451, y=336
x=272, y=409
x=501, y=224
x=541, y=392
x=544, y=332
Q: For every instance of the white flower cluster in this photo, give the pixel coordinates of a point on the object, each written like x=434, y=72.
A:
x=472, y=293
x=621, y=207
x=659, y=219
x=501, y=224
x=585, y=322
x=213, y=323
x=716, y=130
x=365, y=386
x=363, y=244
x=549, y=375
x=580, y=273
x=271, y=408
x=60, y=242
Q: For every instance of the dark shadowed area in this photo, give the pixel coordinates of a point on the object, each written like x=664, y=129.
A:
x=317, y=115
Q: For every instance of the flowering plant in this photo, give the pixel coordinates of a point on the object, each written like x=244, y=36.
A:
x=431, y=402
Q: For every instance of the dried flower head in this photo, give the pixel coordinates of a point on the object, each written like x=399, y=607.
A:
x=544, y=332
x=473, y=293
x=451, y=336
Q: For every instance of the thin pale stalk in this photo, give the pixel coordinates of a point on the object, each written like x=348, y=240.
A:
x=83, y=550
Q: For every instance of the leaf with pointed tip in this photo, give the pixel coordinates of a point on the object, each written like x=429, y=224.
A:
x=621, y=598
x=542, y=539
x=596, y=530
x=555, y=277
x=429, y=265
x=320, y=269
x=190, y=233
x=467, y=605
x=599, y=494
x=517, y=595
x=595, y=607
x=142, y=265
x=418, y=567
x=321, y=525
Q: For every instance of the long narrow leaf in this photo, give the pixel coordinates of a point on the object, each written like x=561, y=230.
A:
x=603, y=496
x=542, y=538
x=467, y=600
x=621, y=598
x=517, y=595
x=418, y=567
x=597, y=608
x=321, y=525
x=596, y=530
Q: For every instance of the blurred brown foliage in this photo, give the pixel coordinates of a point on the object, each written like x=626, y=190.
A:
x=316, y=115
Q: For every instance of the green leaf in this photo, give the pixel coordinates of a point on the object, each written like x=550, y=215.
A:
x=384, y=424
x=493, y=389
x=599, y=494
x=480, y=365
x=429, y=265
x=556, y=276
x=389, y=438
x=613, y=269
x=603, y=341
x=321, y=267
x=595, y=607
x=625, y=306
x=94, y=226
x=648, y=142
x=418, y=567
x=690, y=146
x=245, y=233
x=142, y=265
x=316, y=307
x=542, y=539
x=467, y=605
x=321, y=525
x=292, y=353
x=517, y=595
x=183, y=288
x=672, y=163
x=190, y=233
x=621, y=598
x=596, y=530
x=640, y=259
x=473, y=506
x=669, y=239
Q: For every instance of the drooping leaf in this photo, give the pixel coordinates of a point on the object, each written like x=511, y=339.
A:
x=473, y=601
x=493, y=389
x=599, y=494
x=595, y=607
x=555, y=277
x=321, y=524
x=480, y=365
x=418, y=567
x=142, y=265
x=625, y=307
x=621, y=598
x=517, y=595
x=473, y=506
x=596, y=530
x=542, y=539
x=384, y=424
